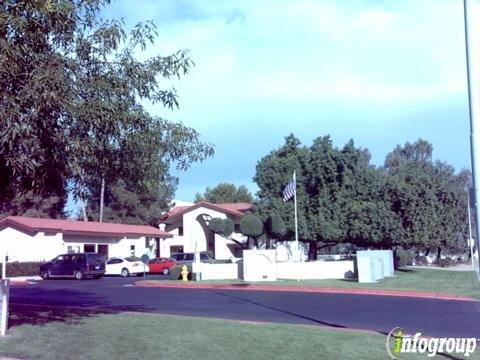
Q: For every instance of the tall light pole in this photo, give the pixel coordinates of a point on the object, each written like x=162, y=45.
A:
x=471, y=13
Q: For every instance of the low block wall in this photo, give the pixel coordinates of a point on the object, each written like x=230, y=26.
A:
x=216, y=271
x=314, y=269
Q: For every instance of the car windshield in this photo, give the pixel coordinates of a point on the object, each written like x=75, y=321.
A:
x=132, y=259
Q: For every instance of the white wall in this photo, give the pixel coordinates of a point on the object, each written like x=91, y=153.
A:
x=286, y=250
x=25, y=247
x=216, y=271
x=314, y=269
x=259, y=265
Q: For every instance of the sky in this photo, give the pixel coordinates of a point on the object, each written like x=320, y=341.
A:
x=379, y=72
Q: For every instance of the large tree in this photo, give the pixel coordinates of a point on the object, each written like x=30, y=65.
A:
x=71, y=97
x=225, y=193
x=428, y=197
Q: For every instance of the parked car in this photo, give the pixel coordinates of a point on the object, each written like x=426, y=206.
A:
x=125, y=266
x=161, y=265
x=189, y=257
x=78, y=266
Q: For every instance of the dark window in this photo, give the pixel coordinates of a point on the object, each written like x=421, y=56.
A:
x=180, y=231
x=237, y=228
x=189, y=257
x=89, y=248
x=114, y=261
x=204, y=257
x=147, y=242
x=176, y=249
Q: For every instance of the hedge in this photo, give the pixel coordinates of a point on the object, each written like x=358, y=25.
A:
x=22, y=268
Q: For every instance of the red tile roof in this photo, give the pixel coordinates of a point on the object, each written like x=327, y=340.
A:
x=73, y=227
x=235, y=209
x=242, y=207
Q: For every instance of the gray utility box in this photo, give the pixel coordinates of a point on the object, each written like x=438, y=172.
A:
x=373, y=265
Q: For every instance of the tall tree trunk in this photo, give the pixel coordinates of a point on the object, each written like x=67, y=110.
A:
x=439, y=250
x=102, y=194
x=84, y=211
x=312, y=250
x=427, y=252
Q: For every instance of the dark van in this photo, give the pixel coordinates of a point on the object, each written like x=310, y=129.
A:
x=77, y=265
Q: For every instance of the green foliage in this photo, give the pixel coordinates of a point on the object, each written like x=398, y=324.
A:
x=220, y=226
x=176, y=272
x=228, y=227
x=22, y=269
x=216, y=225
x=40, y=205
x=403, y=258
x=275, y=226
x=410, y=202
x=225, y=193
x=132, y=205
x=71, y=102
x=251, y=226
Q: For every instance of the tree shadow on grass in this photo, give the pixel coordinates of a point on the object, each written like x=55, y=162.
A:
x=37, y=306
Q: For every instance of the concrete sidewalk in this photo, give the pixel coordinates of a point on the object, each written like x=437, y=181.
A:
x=328, y=290
x=24, y=280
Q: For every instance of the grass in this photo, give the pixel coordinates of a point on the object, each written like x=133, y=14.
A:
x=147, y=336
x=464, y=283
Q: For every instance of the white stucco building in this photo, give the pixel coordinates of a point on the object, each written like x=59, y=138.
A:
x=188, y=223
x=34, y=239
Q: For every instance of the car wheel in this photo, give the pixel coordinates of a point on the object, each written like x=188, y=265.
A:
x=78, y=274
x=166, y=271
x=44, y=275
x=124, y=273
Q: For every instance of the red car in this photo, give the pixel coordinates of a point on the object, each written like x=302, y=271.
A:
x=161, y=265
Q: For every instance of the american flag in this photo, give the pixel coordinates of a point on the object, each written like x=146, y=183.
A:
x=289, y=190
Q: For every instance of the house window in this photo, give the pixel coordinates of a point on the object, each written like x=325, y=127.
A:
x=180, y=231
x=237, y=228
x=89, y=248
x=147, y=242
x=132, y=250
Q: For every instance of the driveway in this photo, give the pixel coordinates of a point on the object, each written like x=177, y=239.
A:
x=69, y=300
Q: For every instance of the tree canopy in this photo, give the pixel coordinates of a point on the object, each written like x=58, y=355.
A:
x=225, y=193
x=70, y=104
x=342, y=198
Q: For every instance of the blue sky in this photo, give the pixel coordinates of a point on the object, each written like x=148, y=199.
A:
x=379, y=72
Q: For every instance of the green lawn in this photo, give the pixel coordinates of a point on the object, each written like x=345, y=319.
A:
x=464, y=283
x=146, y=336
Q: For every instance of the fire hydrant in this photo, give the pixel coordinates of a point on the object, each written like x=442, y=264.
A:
x=184, y=273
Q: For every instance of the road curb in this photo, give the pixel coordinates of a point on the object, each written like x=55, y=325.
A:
x=248, y=287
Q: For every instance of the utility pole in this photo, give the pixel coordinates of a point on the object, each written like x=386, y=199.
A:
x=471, y=13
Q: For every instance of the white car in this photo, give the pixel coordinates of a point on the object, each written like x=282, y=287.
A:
x=125, y=266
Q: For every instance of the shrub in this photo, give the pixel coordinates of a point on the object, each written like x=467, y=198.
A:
x=176, y=272
x=444, y=262
x=421, y=260
x=251, y=225
x=403, y=258
x=22, y=269
x=275, y=226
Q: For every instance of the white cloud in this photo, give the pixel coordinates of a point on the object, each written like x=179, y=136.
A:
x=393, y=52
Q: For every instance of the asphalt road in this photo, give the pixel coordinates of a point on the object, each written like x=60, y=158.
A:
x=69, y=300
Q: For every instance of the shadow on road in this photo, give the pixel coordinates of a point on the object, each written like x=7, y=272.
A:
x=280, y=310
x=35, y=307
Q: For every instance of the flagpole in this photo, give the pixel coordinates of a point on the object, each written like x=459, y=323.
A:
x=296, y=218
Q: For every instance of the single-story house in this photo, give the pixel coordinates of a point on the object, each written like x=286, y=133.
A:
x=35, y=239
x=188, y=225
